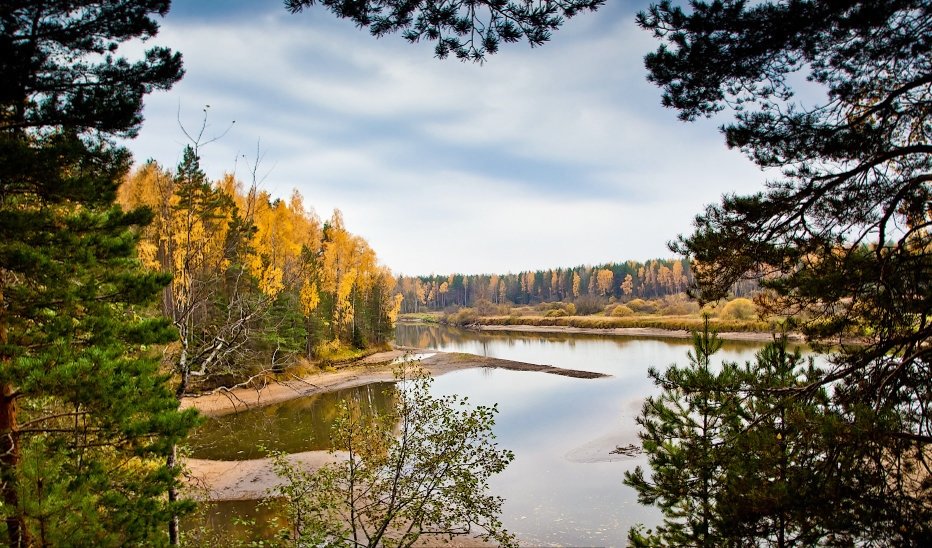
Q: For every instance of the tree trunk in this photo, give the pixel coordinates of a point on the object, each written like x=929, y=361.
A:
x=17, y=532
x=173, y=525
x=184, y=369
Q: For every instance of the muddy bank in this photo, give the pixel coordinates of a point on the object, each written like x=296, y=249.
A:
x=375, y=368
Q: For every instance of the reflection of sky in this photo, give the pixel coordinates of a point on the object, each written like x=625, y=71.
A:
x=551, y=499
x=561, y=487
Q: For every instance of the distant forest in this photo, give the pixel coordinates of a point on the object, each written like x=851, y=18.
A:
x=653, y=279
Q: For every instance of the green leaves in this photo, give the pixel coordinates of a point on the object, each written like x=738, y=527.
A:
x=87, y=418
x=422, y=470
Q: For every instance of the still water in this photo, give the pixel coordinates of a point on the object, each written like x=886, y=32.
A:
x=564, y=486
x=290, y=427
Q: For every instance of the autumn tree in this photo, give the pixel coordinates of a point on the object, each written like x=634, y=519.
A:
x=843, y=234
x=627, y=286
x=605, y=281
x=81, y=397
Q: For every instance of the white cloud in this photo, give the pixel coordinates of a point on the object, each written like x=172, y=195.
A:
x=543, y=157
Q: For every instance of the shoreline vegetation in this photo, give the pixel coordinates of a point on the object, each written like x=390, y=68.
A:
x=541, y=319
x=658, y=332
x=675, y=312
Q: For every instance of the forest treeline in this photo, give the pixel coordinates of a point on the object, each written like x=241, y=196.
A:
x=256, y=281
x=627, y=280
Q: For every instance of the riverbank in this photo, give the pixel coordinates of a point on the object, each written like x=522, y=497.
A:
x=377, y=367
x=756, y=336
x=217, y=480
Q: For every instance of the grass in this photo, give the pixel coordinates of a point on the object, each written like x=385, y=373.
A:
x=330, y=354
x=688, y=323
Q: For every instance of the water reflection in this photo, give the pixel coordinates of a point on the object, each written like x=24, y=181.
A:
x=564, y=486
x=233, y=523
x=292, y=426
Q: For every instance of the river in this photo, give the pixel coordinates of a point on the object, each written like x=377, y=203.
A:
x=564, y=487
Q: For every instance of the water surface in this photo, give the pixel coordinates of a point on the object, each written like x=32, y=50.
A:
x=291, y=426
x=564, y=486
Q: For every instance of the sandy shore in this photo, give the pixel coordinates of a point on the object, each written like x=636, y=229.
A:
x=244, y=479
x=630, y=332
x=252, y=479
x=375, y=368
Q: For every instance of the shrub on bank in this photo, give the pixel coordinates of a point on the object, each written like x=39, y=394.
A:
x=678, y=305
x=739, y=309
x=641, y=306
x=485, y=307
x=463, y=316
x=587, y=305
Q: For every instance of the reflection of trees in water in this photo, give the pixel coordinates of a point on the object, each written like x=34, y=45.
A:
x=440, y=337
x=297, y=425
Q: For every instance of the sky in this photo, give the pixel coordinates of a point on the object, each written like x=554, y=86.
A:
x=545, y=157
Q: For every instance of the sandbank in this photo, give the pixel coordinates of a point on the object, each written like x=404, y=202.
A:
x=375, y=368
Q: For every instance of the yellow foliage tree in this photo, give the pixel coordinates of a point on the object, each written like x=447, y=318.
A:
x=605, y=281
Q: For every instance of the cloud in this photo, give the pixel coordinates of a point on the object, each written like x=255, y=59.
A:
x=542, y=157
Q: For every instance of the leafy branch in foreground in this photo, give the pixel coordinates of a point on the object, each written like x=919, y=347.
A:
x=419, y=471
x=469, y=29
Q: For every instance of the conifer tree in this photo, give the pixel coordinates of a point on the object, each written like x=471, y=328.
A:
x=85, y=417
x=468, y=30
x=683, y=433
x=843, y=235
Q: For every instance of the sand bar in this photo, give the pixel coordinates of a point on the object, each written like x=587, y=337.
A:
x=375, y=368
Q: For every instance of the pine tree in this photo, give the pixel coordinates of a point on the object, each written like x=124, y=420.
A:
x=467, y=30
x=844, y=235
x=684, y=434
x=758, y=455
x=85, y=416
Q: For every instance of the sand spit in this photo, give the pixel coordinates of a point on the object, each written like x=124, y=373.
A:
x=375, y=368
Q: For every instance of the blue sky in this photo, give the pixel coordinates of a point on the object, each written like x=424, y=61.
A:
x=542, y=157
